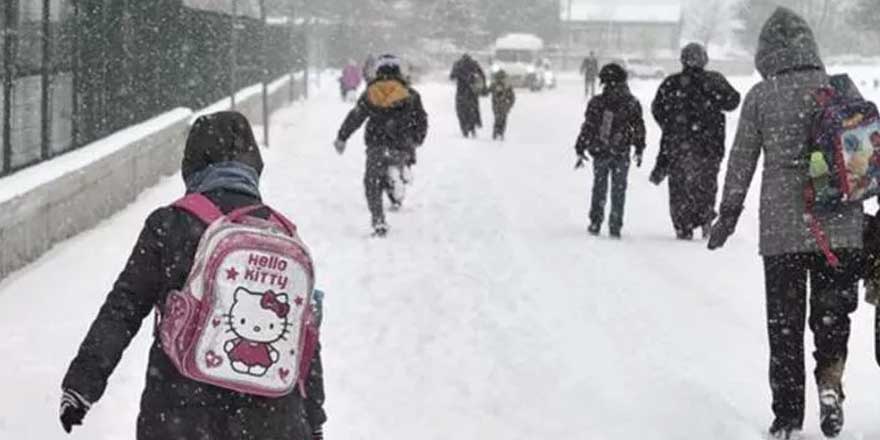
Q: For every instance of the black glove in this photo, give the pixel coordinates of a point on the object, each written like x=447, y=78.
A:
x=318, y=434
x=658, y=175
x=73, y=409
x=581, y=161
x=638, y=158
x=339, y=145
x=724, y=227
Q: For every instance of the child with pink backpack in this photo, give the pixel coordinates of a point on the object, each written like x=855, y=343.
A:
x=235, y=352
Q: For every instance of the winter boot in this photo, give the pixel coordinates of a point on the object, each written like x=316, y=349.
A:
x=594, y=229
x=380, y=230
x=707, y=230
x=784, y=430
x=830, y=412
x=396, y=187
x=829, y=382
x=614, y=233
x=684, y=234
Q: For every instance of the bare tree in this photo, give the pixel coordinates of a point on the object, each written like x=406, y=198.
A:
x=708, y=21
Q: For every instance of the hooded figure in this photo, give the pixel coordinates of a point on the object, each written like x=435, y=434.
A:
x=470, y=84
x=397, y=124
x=613, y=127
x=775, y=122
x=350, y=79
x=689, y=108
x=221, y=161
x=503, y=98
x=590, y=69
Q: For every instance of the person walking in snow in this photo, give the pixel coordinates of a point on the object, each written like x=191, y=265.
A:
x=350, y=79
x=589, y=70
x=222, y=163
x=396, y=125
x=470, y=84
x=776, y=122
x=369, y=69
x=503, y=98
x=612, y=128
x=689, y=108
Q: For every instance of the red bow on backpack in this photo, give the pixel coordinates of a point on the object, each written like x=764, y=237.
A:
x=270, y=302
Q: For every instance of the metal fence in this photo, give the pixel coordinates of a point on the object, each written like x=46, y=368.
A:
x=74, y=71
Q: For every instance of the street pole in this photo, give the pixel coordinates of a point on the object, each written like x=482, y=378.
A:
x=568, y=37
x=233, y=54
x=265, y=65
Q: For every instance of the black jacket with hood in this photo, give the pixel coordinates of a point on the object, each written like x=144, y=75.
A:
x=613, y=124
x=172, y=406
x=394, y=113
x=689, y=108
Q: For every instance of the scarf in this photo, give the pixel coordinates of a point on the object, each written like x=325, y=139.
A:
x=232, y=176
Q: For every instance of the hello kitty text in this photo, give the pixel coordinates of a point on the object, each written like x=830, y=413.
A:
x=263, y=269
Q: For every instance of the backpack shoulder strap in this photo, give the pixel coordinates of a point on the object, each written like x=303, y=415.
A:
x=199, y=206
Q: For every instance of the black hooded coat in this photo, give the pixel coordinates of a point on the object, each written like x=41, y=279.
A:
x=174, y=407
x=689, y=107
x=470, y=84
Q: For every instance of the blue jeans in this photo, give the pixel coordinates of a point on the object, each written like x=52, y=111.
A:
x=618, y=169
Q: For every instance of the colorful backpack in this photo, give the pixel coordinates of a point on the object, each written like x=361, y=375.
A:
x=844, y=157
x=245, y=318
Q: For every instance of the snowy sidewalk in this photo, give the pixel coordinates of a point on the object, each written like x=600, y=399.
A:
x=486, y=314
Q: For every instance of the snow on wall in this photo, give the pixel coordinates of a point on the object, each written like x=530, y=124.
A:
x=54, y=200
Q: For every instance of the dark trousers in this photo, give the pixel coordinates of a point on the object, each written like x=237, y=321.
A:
x=500, y=124
x=467, y=107
x=693, y=191
x=617, y=168
x=376, y=180
x=833, y=296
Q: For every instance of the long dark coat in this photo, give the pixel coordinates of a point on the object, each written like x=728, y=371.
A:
x=689, y=108
x=470, y=83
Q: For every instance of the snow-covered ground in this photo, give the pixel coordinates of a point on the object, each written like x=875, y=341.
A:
x=487, y=313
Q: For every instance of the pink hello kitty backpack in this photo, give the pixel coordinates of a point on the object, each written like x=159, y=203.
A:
x=244, y=320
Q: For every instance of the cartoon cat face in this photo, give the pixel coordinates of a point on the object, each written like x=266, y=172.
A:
x=259, y=317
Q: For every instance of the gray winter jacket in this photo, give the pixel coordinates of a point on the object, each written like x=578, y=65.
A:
x=775, y=121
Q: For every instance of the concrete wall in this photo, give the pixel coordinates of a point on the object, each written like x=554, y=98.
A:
x=55, y=200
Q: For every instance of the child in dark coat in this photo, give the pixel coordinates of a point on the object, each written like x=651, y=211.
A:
x=396, y=124
x=222, y=162
x=503, y=99
x=612, y=128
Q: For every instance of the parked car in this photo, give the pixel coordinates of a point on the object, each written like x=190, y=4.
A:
x=519, y=56
x=643, y=68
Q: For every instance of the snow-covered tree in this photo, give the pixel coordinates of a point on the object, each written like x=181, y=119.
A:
x=708, y=21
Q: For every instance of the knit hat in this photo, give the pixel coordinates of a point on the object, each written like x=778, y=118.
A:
x=388, y=66
x=694, y=55
x=612, y=73
x=220, y=137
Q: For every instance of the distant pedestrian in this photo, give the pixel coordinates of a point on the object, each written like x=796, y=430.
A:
x=689, y=108
x=589, y=70
x=470, y=85
x=503, y=98
x=612, y=129
x=369, y=69
x=350, y=80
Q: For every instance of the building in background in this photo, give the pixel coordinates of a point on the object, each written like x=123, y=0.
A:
x=620, y=30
